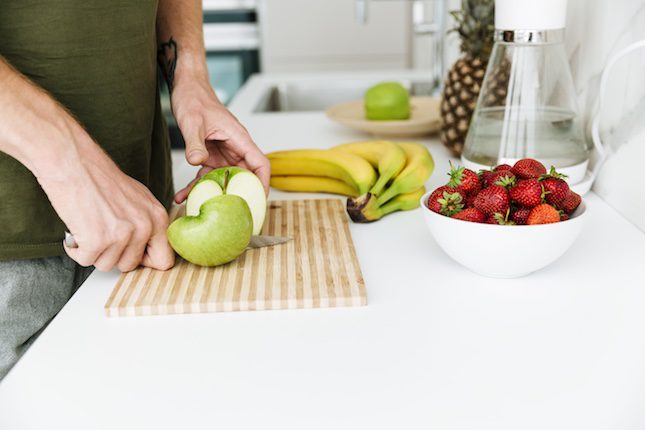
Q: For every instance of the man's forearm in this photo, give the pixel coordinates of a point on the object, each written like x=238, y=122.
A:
x=180, y=40
x=35, y=129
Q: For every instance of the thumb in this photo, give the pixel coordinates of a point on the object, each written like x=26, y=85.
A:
x=196, y=152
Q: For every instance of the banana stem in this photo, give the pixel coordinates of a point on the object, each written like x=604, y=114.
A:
x=380, y=184
x=387, y=195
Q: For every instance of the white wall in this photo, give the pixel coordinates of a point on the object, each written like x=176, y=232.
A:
x=597, y=29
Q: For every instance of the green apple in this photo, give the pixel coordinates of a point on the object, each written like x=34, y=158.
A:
x=230, y=180
x=387, y=101
x=218, y=234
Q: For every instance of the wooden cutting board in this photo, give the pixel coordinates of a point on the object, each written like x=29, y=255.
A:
x=317, y=269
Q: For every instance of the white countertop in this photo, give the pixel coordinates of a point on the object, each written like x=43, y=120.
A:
x=437, y=347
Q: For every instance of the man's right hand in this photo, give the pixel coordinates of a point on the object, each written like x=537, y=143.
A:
x=115, y=220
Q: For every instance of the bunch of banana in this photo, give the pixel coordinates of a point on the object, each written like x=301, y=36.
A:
x=403, y=188
x=351, y=169
x=317, y=166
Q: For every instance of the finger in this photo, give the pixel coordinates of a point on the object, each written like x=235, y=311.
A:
x=260, y=165
x=84, y=256
x=131, y=257
x=257, y=162
x=109, y=258
x=196, y=152
x=159, y=255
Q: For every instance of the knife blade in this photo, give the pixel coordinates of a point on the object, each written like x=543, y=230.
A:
x=256, y=241
x=263, y=240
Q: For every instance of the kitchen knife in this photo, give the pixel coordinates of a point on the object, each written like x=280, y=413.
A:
x=256, y=241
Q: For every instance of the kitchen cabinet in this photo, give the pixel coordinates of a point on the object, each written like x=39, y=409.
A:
x=317, y=35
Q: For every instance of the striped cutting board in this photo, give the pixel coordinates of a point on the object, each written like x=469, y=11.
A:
x=317, y=269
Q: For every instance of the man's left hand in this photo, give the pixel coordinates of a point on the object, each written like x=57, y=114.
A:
x=214, y=137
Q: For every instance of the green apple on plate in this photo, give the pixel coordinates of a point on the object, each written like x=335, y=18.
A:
x=224, y=208
x=387, y=101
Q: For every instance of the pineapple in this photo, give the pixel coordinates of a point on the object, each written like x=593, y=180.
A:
x=475, y=25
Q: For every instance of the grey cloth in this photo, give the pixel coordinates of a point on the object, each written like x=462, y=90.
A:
x=31, y=294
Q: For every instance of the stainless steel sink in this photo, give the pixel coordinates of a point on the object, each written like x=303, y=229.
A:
x=318, y=95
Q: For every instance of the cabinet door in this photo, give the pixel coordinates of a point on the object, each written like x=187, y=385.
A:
x=317, y=35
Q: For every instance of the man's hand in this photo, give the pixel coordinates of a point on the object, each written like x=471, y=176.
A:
x=214, y=137
x=115, y=220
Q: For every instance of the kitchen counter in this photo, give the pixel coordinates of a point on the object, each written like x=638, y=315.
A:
x=437, y=347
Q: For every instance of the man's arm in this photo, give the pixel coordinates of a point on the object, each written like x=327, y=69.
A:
x=213, y=136
x=115, y=220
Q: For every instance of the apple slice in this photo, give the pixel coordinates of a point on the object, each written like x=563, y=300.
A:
x=235, y=181
x=246, y=185
x=202, y=191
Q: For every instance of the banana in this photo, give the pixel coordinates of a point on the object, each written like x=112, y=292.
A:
x=416, y=172
x=312, y=184
x=369, y=210
x=349, y=168
x=386, y=157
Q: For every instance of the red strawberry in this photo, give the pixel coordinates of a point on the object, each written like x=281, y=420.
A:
x=464, y=178
x=527, y=168
x=505, y=178
x=492, y=199
x=499, y=219
x=527, y=193
x=520, y=215
x=571, y=202
x=555, y=187
x=543, y=214
x=484, y=177
x=490, y=219
x=469, y=201
x=502, y=167
x=446, y=200
x=470, y=214
x=564, y=217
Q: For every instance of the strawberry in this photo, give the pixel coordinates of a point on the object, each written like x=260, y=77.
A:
x=490, y=219
x=564, y=217
x=492, y=199
x=527, y=193
x=571, y=202
x=490, y=177
x=464, y=178
x=520, y=215
x=505, y=178
x=499, y=219
x=469, y=201
x=543, y=214
x=484, y=177
x=502, y=167
x=555, y=187
x=446, y=200
x=470, y=214
x=528, y=168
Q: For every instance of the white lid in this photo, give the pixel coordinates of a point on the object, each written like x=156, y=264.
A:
x=530, y=14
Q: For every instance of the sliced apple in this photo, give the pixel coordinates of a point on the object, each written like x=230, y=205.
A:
x=217, y=235
x=235, y=181
x=202, y=191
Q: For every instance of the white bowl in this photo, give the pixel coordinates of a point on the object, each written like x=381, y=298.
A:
x=502, y=251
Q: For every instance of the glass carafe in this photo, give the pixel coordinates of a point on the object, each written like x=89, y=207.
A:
x=527, y=106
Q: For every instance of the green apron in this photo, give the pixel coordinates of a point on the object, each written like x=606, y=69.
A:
x=98, y=59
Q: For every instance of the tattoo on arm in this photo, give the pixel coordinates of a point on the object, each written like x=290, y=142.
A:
x=167, y=59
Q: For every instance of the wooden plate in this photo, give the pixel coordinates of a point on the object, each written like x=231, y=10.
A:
x=424, y=118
